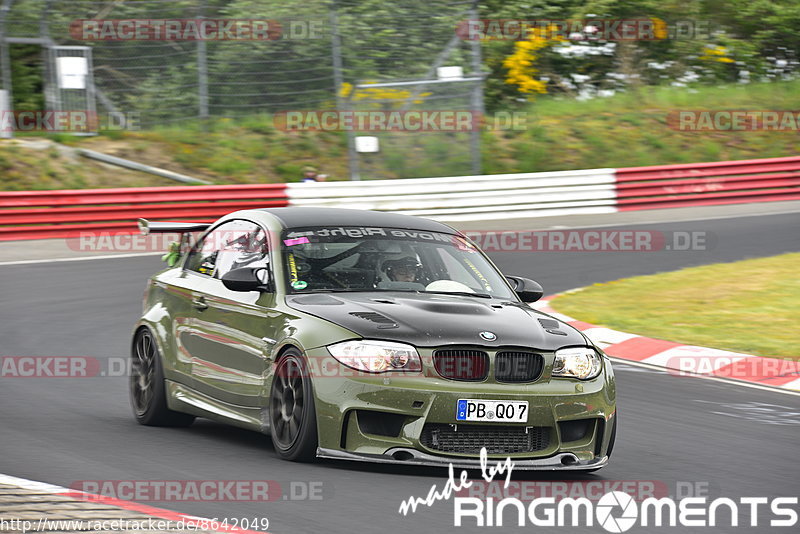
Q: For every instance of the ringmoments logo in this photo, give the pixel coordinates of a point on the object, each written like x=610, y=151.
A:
x=615, y=511
x=605, y=509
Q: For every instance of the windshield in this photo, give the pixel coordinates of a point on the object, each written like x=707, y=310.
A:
x=387, y=259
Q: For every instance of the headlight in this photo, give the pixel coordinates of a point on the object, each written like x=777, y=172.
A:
x=376, y=356
x=577, y=362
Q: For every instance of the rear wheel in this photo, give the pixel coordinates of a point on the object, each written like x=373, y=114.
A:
x=292, y=416
x=147, y=388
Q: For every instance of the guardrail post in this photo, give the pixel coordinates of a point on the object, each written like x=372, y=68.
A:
x=6, y=131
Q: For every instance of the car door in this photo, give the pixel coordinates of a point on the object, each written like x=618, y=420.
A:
x=229, y=332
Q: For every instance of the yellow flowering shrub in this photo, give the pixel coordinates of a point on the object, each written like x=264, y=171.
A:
x=380, y=94
x=521, y=64
x=716, y=53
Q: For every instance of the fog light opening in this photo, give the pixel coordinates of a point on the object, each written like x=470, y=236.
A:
x=568, y=460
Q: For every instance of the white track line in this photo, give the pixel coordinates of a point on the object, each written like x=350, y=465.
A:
x=773, y=389
x=83, y=258
x=666, y=221
x=32, y=485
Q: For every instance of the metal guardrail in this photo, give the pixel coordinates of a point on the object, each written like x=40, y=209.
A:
x=470, y=197
x=133, y=165
x=68, y=213
x=565, y=193
x=705, y=184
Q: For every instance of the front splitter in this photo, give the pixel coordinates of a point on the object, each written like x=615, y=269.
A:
x=404, y=456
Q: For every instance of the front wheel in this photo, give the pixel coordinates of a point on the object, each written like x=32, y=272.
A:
x=147, y=390
x=292, y=416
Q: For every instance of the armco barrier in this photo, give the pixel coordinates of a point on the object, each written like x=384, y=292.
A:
x=67, y=213
x=704, y=184
x=560, y=193
x=456, y=198
x=50, y=214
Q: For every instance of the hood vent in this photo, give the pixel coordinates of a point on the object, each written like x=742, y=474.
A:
x=551, y=327
x=375, y=317
x=384, y=301
x=316, y=300
x=548, y=323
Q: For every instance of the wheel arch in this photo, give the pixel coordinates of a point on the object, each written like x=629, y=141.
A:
x=159, y=335
x=286, y=347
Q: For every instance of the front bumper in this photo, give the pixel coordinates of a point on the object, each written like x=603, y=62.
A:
x=427, y=399
x=560, y=462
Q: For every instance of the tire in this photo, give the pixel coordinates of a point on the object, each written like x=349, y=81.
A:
x=147, y=389
x=292, y=416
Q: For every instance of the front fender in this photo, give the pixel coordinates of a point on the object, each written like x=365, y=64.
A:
x=157, y=317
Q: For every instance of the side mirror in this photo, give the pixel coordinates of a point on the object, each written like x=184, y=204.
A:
x=525, y=288
x=245, y=279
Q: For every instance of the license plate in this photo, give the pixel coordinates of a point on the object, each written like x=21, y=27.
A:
x=492, y=410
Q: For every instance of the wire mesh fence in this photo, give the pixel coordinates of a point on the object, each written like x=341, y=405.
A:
x=315, y=55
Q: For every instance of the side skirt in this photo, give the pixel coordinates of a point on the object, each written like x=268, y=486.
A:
x=182, y=398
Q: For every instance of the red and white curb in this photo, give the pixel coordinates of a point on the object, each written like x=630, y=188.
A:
x=685, y=360
x=158, y=513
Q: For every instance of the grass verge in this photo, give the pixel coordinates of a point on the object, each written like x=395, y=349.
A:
x=748, y=306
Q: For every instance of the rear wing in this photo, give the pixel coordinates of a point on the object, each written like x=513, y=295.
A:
x=178, y=248
x=161, y=227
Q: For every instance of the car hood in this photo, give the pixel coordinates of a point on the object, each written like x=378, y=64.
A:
x=427, y=320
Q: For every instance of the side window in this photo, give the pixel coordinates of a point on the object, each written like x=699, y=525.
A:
x=244, y=246
x=203, y=256
x=228, y=246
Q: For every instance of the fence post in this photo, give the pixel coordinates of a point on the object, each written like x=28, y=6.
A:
x=5, y=60
x=477, y=95
x=338, y=81
x=202, y=71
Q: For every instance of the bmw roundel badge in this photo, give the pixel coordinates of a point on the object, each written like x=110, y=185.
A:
x=488, y=336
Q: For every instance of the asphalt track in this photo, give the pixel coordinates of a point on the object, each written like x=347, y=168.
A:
x=737, y=440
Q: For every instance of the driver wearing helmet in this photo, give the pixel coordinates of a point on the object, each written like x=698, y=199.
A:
x=404, y=269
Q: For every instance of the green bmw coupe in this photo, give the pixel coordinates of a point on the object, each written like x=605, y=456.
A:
x=367, y=336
